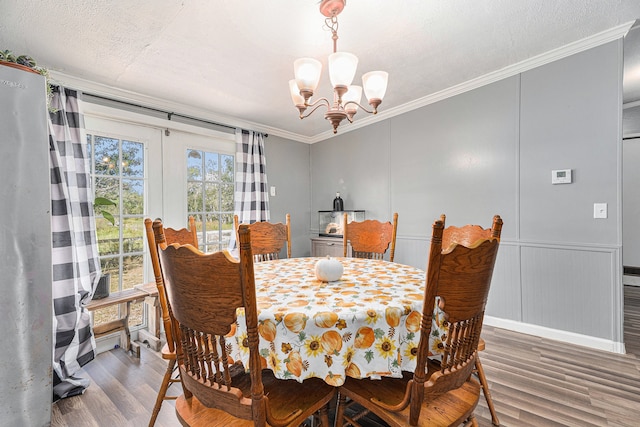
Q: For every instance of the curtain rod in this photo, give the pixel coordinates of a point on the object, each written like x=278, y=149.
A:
x=169, y=114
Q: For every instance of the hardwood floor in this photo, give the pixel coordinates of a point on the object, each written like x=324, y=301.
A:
x=534, y=382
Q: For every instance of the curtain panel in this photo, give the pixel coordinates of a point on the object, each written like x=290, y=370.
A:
x=251, y=194
x=76, y=266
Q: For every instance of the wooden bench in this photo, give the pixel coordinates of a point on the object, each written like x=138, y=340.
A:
x=124, y=298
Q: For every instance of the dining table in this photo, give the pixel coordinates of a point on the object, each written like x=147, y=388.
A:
x=364, y=325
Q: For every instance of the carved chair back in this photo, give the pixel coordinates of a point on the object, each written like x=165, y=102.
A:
x=458, y=280
x=268, y=239
x=161, y=237
x=370, y=238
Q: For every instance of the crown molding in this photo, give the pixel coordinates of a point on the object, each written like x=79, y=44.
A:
x=512, y=70
x=162, y=104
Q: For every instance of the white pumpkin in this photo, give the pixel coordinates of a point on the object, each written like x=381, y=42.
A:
x=329, y=270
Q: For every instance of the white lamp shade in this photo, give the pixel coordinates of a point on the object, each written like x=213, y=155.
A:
x=353, y=94
x=307, y=72
x=375, y=84
x=342, y=68
x=295, y=93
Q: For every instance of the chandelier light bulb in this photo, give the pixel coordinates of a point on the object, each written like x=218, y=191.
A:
x=375, y=84
x=342, y=68
x=351, y=99
x=295, y=93
x=307, y=72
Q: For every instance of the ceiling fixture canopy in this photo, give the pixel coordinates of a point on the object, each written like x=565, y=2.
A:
x=342, y=69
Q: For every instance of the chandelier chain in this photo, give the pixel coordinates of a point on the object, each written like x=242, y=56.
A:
x=331, y=24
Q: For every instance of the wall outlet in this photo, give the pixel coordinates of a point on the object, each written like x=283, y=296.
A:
x=272, y=191
x=599, y=210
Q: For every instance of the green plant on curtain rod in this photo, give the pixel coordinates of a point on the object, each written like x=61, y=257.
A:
x=28, y=62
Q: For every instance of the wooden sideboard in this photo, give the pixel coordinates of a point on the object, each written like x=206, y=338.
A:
x=323, y=246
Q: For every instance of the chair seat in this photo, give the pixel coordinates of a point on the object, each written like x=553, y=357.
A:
x=391, y=391
x=191, y=412
x=285, y=396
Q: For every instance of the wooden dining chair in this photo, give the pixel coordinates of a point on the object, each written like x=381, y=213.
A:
x=268, y=238
x=441, y=393
x=161, y=238
x=467, y=235
x=205, y=291
x=370, y=238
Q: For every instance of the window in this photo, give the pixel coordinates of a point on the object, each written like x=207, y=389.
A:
x=118, y=170
x=143, y=168
x=210, y=187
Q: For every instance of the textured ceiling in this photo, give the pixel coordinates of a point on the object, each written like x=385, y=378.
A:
x=231, y=60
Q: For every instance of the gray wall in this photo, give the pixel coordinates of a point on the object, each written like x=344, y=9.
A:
x=288, y=171
x=631, y=187
x=491, y=150
x=631, y=202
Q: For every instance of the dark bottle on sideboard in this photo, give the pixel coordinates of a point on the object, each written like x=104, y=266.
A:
x=338, y=205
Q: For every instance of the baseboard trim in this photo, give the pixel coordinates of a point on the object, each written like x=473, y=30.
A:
x=631, y=280
x=557, y=335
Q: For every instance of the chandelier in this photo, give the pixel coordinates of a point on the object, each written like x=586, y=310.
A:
x=342, y=69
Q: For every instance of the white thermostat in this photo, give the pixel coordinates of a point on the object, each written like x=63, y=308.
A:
x=562, y=176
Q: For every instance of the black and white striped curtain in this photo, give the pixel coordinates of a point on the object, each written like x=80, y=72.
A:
x=252, y=194
x=76, y=266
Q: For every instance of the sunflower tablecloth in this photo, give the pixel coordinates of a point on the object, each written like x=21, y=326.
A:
x=364, y=325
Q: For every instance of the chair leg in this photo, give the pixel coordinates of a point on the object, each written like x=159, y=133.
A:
x=163, y=391
x=323, y=415
x=485, y=390
x=342, y=400
x=472, y=421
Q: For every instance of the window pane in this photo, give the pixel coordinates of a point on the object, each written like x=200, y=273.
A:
x=132, y=235
x=212, y=228
x=198, y=219
x=226, y=225
x=135, y=315
x=211, y=166
x=132, y=196
x=106, y=157
x=226, y=168
x=109, y=188
x=226, y=194
x=108, y=239
x=132, y=159
x=89, y=147
x=132, y=271
x=211, y=202
x=194, y=197
x=211, y=198
x=105, y=315
x=194, y=165
x=110, y=266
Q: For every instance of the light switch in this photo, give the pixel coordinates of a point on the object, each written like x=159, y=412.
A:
x=273, y=190
x=599, y=210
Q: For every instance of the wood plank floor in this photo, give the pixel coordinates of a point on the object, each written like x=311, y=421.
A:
x=534, y=382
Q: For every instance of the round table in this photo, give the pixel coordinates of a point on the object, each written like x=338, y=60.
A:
x=365, y=325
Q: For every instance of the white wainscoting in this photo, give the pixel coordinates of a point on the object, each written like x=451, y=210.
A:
x=571, y=293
